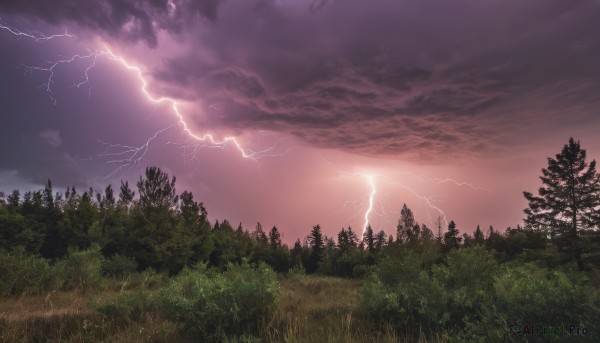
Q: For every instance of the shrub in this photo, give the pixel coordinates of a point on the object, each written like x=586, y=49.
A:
x=130, y=306
x=211, y=306
x=118, y=266
x=148, y=279
x=402, y=294
x=81, y=269
x=472, y=298
x=529, y=294
x=24, y=274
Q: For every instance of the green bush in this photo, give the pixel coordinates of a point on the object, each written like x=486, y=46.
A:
x=211, y=306
x=130, y=306
x=24, y=274
x=118, y=266
x=148, y=279
x=529, y=294
x=81, y=269
x=474, y=299
x=402, y=294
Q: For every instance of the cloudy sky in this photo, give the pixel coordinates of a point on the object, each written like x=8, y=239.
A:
x=451, y=107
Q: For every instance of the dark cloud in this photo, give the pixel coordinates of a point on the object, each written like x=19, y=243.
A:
x=129, y=20
x=414, y=78
x=424, y=79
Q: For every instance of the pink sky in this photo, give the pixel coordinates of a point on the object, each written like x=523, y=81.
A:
x=451, y=109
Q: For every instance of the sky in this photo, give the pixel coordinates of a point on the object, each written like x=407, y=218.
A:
x=297, y=113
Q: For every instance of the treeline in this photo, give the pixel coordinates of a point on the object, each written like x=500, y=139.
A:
x=166, y=231
x=419, y=282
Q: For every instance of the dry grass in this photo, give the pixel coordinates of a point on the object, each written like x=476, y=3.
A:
x=310, y=309
x=71, y=317
x=324, y=309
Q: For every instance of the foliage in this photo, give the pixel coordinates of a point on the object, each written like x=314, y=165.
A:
x=568, y=202
x=131, y=306
x=118, y=266
x=210, y=306
x=24, y=274
x=473, y=297
x=80, y=269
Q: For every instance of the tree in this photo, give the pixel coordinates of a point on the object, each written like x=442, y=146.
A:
x=125, y=196
x=352, y=237
x=568, y=203
x=259, y=235
x=452, y=237
x=405, y=224
x=158, y=239
x=274, y=238
x=380, y=240
x=343, y=241
x=478, y=236
x=317, y=246
x=369, y=238
x=156, y=190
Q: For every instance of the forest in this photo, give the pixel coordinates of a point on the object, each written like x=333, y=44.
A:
x=142, y=263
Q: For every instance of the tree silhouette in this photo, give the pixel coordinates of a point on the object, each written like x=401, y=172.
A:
x=478, y=236
x=274, y=238
x=452, y=237
x=405, y=224
x=317, y=246
x=568, y=202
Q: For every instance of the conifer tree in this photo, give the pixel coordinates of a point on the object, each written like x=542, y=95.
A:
x=568, y=203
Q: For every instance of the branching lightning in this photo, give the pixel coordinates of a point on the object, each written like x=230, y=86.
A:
x=125, y=156
x=365, y=207
x=37, y=36
x=128, y=156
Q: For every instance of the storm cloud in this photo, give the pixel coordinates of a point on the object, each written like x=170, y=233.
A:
x=417, y=79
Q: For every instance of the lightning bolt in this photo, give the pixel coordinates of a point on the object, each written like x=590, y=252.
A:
x=461, y=184
x=128, y=156
x=125, y=156
x=366, y=207
x=207, y=137
x=370, y=180
x=38, y=36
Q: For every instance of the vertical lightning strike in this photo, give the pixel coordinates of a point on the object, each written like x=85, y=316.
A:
x=371, y=182
x=365, y=207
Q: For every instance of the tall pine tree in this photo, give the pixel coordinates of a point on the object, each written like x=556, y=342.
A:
x=568, y=203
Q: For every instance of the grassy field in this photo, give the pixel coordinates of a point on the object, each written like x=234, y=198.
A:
x=72, y=317
x=309, y=309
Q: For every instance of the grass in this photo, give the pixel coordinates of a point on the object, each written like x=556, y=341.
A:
x=71, y=317
x=324, y=309
x=309, y=309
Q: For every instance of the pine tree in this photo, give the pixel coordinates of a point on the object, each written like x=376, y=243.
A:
x=568, y=203
x=478, y=236
x=274, y=238
x=343, y=241
x=380, y=240
x=317, y=246
x=352, y=237
x=405, y=224
x=369, y=239
x=452, y=237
